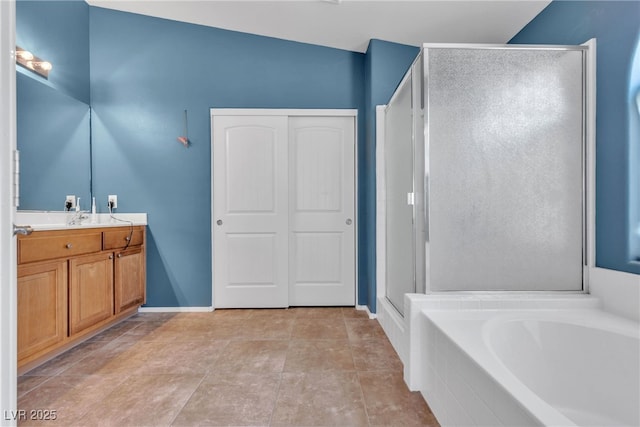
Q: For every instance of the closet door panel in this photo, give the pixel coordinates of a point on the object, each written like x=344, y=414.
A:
x=250, y=210
x=321, y=222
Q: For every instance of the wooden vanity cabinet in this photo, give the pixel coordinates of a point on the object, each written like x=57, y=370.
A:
x=129, y=279
x=42, y=306
x=90, y=290
x=74, y=283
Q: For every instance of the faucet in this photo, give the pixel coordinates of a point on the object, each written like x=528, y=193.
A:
x=77, y=217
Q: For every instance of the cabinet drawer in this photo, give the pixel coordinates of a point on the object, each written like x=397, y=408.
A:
x=115, y=239
x=50, y=245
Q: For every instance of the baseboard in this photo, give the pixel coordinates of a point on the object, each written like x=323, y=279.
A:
x=365, y=308
x=174, y=309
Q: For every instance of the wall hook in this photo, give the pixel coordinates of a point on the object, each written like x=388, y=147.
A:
x=184, y=139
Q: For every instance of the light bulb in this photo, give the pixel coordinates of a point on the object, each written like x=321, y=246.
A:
x=25, y=54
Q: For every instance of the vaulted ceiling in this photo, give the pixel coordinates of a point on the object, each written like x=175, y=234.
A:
x=350, y=24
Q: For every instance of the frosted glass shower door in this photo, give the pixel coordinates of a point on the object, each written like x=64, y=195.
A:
x=399, y=227
x=505, y=138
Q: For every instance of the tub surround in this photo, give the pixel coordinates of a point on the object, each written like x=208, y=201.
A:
x=618, y=291
x=474, y=359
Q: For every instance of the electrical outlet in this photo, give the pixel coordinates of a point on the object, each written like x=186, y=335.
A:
x=113, y=199
x=70, y=199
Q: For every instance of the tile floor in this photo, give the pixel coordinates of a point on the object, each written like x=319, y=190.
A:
x=289, y=367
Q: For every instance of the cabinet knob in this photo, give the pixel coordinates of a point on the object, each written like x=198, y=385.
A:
x=127, y=238
x=119, y=255
x=110, y=256
x=219, y=222
x=68, y=246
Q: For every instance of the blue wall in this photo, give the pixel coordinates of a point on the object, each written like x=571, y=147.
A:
x=144, y=73
x=58, y=32
x=616, y=26
x=386, y=64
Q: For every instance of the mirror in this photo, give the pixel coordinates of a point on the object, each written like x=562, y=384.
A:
x=53, y=137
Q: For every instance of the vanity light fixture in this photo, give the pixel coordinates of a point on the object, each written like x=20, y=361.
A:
x=31, y=62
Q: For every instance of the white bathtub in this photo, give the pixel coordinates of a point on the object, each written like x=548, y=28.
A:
x=514, y=362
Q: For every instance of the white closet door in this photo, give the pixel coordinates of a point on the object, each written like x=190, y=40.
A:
x=250, y=211
x=321, y=221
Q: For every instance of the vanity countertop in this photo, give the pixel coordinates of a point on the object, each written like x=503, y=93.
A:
x=55, y=220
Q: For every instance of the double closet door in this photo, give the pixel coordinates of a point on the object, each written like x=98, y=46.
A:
x=283, y=209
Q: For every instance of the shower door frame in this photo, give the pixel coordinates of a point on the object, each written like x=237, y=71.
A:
x=415, y=197
x=588, y=146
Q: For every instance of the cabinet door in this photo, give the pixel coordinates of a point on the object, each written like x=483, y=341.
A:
x=129, y=279
x=42, y=306
x=90, y=290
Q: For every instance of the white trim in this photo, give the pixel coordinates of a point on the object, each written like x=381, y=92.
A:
x=8, y=259
x=282, y=112
x=347, y=112
x=591, y=161
x=366, y=308
x=175, y=309
x=381, y=211
x=486, y=46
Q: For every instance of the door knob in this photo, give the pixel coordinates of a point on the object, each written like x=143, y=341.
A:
x=219, y=222
x=348, y=221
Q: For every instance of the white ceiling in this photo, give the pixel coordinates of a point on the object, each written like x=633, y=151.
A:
x=350, y=24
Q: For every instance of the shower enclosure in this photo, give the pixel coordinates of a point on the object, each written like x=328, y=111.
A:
x=484, y=153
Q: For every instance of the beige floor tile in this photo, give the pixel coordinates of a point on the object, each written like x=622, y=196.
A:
x=115, y=331
x=389, y=401
x=317, y=312
x=69, y=397
x=197, y=328
x=319, y=399
x=375, y=355
x=151, y=317
x=231, y=313
x=181, y=357
x=116, y=357
x=231, y=398
x=267, y=314
x=144, y=400
x=319, y=355
x=142, y=331
x=303, y=366
x=364, y=329
x=28, y=383
x=265, y=329
x=351, y=312
x=320, y=329
x=67, y=359
x=255, y=356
